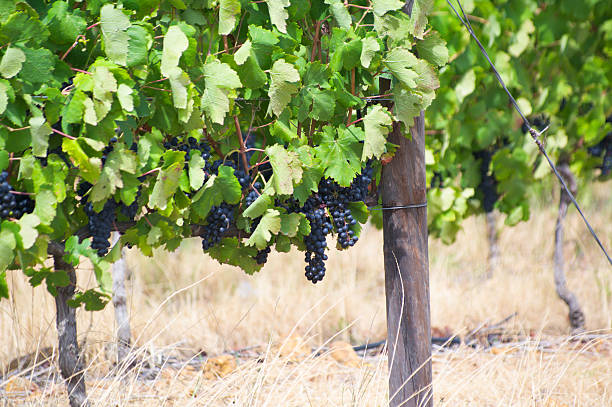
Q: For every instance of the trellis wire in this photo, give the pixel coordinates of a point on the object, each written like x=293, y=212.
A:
x=534, y=133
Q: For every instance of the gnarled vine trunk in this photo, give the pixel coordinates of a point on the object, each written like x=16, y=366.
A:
x=122, y=316
x=576, y=315
x=492, y=237
x=70, y=363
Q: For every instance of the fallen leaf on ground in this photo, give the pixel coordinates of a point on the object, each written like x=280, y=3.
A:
x=20, y=385
x=219, y=366
x=295, y=348
x=343, y=353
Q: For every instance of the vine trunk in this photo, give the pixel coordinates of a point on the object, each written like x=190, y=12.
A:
x=70, y=363
x=576, y=315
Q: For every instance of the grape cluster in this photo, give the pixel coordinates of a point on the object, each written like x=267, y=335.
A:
x=316, y=242
x=540, y=122
x=218, y=222
x=190, y=147
x=12, y=205
x=488, y=183
x=101, y=225
x=253, y=194
x=130, y=211
x=603, y=149
x=332, y=199
x=262, y=256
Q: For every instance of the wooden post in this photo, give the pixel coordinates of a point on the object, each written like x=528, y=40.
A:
x=407, y=267
x=122, y=315
x=70, y=363
x=407, y=270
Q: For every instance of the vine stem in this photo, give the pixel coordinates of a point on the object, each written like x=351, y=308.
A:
x=11, y=129
x=350, y=110
x=212, y=143
x=241, y=140
x=150, y=172
x=225, y=44
x=80, y=70
x=74, y=44
x=62, y=134
x=315, y=41
x=358, y=6
x=354, y=122
x=21, y=193
x=365, y=13
x=263, y=125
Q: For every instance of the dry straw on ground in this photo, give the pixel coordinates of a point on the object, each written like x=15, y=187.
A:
x=183, y=303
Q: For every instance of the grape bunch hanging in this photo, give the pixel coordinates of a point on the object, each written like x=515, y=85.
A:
x=328, y=210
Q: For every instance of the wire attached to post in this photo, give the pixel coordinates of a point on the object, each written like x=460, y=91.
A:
x=392, y=208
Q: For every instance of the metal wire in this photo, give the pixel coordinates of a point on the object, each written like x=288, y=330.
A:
x=392, y=208
x=533, y=132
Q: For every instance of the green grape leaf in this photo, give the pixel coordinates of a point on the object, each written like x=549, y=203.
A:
x=4, y=290
x=175, y=43
x=520, y=41
x=407, y=105
x=220, y=81
x=376, y=124
x=165, y=186
x=104, y=84
x=93, y=300
x=4, y=160
x=196, y=171
x=124, y=94
x=269, y=224
x=433, y=49
x=179, y=80
x=64, y=24
x=4, y=88
x=8, y=244
x=340, y=13
x=466, y=85
x=11, y=62
x=287, y=169
x=39, y=66
x=114, y=24
x=278, y=14
x=28, y=232
x=394, y=25
x=341, y=156
x=40, y=130
x=401, y=63
x=89, y=166
x=243, y=53
x=309, y=184
x=139, y=43
x=223, y=187
x=228, y=11
x=259, y=207
x=370, y=46
x=290, y=223
x=284, y=82
x=230, y=251
x=46, y=205
x=381, y=7
x=418, y=17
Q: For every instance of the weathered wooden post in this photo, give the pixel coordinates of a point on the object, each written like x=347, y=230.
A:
x=407, y=268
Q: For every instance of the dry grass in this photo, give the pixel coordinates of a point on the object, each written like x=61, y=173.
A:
x=184, y=302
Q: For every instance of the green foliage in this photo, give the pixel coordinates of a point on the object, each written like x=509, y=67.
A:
x=554, y=57
x=145, y=74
